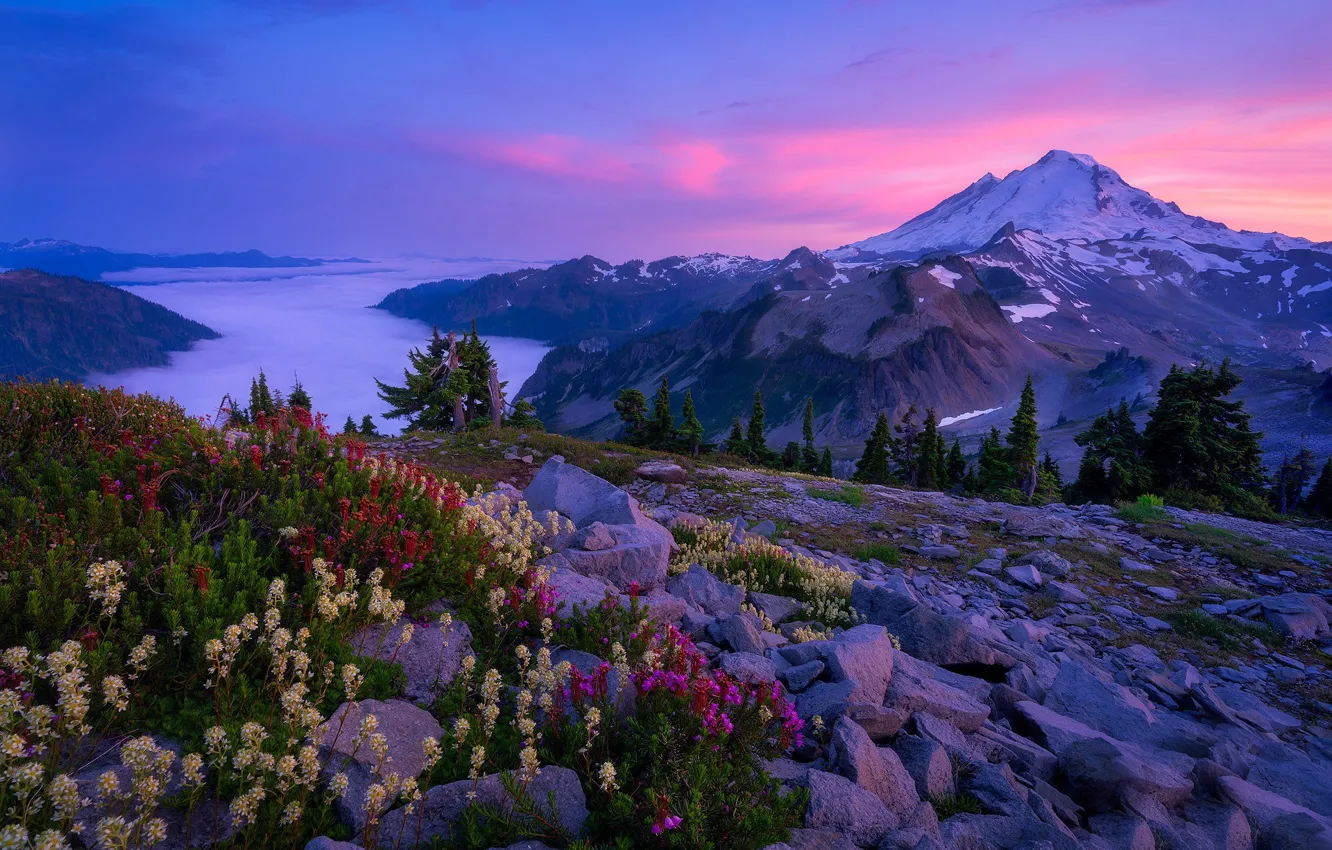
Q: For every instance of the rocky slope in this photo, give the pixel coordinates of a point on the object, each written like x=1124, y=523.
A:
x=66, y=327
x=1021, y=677
x=858, y=341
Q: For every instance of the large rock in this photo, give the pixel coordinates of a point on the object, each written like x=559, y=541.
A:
x=1104, y=705
x=701, y=588
x=775, y=608
x=863, y=655
x=1299, y=616
x=442, y=806
x=1049, y=563
x=573, y=590
x=914, y=687
x=431, y=658
x=1101, y=774
x=404, y=727
x=639, y=554
x=839, y=805
x=878, y=771
x=739, y=632
x=948, y=642
x=1040, y=524
x=581, y=496
x=748, y=667
x=1272, y=813
x=928, y=764
x=663, y=471
x=882, y=603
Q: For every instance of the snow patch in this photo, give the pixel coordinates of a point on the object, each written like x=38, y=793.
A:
x=951, y=420
x=1018, y=312
x=944, y=276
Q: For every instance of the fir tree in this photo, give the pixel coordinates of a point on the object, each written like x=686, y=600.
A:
x=691, y=430
x=1197, y=440
x=791, y=455
x=957, y=464
x=298, y=397
x=1112, y=467
x=474, y=355
x=905, y=447
x=523, y=415
x=1291, y=478
x=735, y=443
x=662, y=429
x=368, y=426
x=932, y=465
x=349, y=427
x=426, y=399
x=632, y=408
x=872, y=468
x=261, y=399
x=758, y=442
x=809, y=458
x=825, y=463
x=994, y=472
x=1023, y=442
x=1319, y=501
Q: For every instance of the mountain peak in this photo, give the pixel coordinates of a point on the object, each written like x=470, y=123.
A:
x=1062, y=195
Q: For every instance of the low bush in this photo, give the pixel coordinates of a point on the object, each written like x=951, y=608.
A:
x=849, y=494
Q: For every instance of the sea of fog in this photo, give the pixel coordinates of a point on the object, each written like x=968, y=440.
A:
x=315, y=323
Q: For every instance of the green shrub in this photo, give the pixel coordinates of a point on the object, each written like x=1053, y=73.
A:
x=849, y=494
x=884, y=552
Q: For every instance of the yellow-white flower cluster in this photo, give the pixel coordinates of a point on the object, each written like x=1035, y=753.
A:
x=105, y=584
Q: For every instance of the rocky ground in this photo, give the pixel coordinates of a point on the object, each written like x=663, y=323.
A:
x=1050, y=677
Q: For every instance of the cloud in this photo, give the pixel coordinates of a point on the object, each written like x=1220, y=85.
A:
x=881, y=56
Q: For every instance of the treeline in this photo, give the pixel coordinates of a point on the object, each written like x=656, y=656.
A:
x=657, y=430
x=914, y=453
x=1197, y=450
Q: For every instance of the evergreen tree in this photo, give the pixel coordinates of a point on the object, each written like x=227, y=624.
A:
x=970, y=482
x=995, y=473
x=758, y=442
x=905, y=447
x=1196, y=440
x=809, y=456
x=872, y=468
x=825, y=463
x=261, y=399
x=426, y=399
x=1291, y=478
x=1023, y=442
x=632, y=408
x=691, y=430
x=1320, y=497
x=523, y=415
x=474, y=355
x=1112, y=467
x=932, y=467
x=735, y=443
x=298, y=397
x=956, y=464
x=368, y=426
x=791, y=455
x=661, y=431
x=349, y=427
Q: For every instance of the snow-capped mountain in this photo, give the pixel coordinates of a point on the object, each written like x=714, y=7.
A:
x=1063, y=196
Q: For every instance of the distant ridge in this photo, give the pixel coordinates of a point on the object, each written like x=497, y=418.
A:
x=58, y=256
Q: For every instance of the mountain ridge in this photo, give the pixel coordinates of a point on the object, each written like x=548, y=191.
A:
x=62, y=257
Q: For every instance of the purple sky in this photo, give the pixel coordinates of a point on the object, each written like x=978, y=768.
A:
x=627, y=129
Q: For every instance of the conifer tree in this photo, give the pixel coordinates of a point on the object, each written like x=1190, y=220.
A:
x=523, y=415
x=1197, y=440
x=1112, y=467
x=1319, y=501
x=1291, y=478
x=261, y=399
x=662, y=429
x=691, y=430
x=632, y=408
x=758, y=442
x=872, y=468
x=349, y=427
x=298, y=397
x=904, y=449
x=809, y=457
x=957, y=464
x=368, y=426
x=931, y=467
x=825, y=463
x=474, y=355
x=1023, y=442
x=735, y=443
x=791, y=455
x=426, y=399
x=994, y=472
